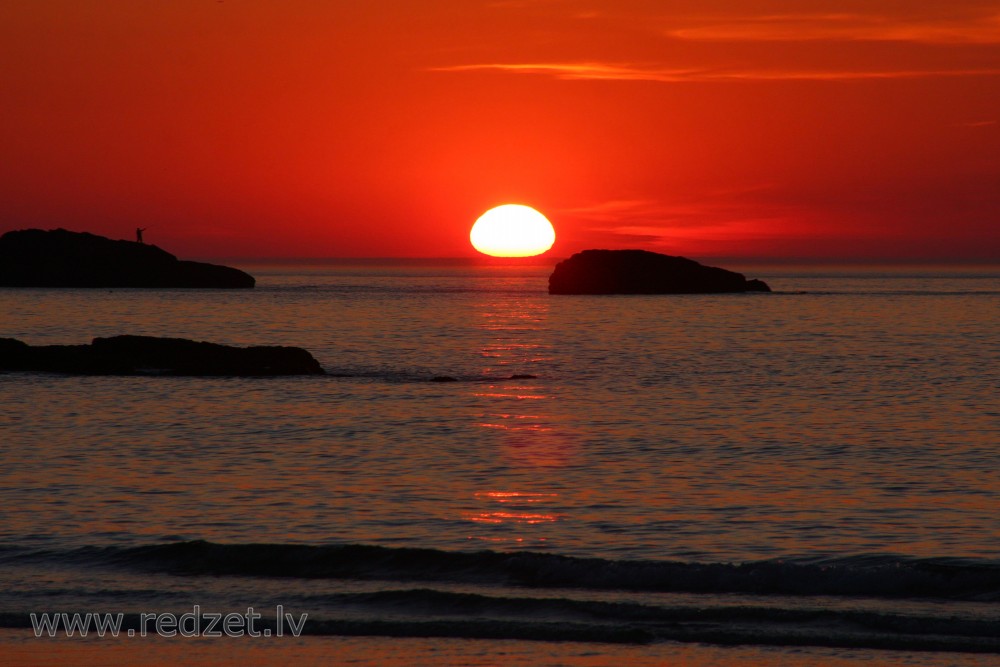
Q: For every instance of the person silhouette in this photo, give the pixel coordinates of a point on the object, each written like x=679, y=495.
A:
x=138, y=234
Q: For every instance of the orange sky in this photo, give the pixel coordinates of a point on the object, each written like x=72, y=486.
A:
x=385, y=128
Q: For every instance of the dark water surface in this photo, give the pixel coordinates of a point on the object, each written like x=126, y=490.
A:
x=838, y=438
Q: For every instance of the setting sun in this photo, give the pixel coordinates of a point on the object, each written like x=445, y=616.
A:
x=512, y=230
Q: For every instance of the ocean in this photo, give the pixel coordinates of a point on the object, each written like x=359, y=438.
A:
x=492, y=475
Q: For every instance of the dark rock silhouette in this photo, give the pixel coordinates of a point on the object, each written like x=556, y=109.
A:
x=60, y=258
x=644, y=272
x=147, y=355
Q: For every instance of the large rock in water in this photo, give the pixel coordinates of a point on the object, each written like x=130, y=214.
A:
x=146, y=355
x=60, y=258
x=644, y=272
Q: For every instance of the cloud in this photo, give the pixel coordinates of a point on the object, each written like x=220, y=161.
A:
x=718, y=214
x=720, y=221
x=580, y=71
x=618, y=209
x=647, y=216
x=844, y=27
x=594, y=71
x=983, y=30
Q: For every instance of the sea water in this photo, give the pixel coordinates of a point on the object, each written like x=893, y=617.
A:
x=818, y=466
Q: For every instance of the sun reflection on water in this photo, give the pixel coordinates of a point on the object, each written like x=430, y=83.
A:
x=515, y=340
x=518, y=502
x=517, y=412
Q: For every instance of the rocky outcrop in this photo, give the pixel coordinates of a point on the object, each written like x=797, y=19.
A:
x=147, y=355
x=644, y=272
x=60, y=258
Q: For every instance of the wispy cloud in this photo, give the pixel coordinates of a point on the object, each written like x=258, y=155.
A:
x=843, y=27
x=594, y=71
x=615, y=209
x=653, y=219
x=571, y=71
x=717, y=221
x=639, y=219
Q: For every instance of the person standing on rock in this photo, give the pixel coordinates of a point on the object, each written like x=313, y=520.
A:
x=138, y=234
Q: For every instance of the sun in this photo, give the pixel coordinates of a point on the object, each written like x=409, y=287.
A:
x=512, y=230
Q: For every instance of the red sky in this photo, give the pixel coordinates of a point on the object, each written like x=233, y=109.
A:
x=695, y=127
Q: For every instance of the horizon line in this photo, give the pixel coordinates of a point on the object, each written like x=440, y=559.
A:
x=551, y=259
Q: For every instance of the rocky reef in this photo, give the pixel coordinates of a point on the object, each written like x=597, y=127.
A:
x=644, y=272
x=60, y=258
x=147, y=355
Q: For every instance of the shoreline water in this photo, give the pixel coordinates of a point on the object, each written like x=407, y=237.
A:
x=405, y=652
